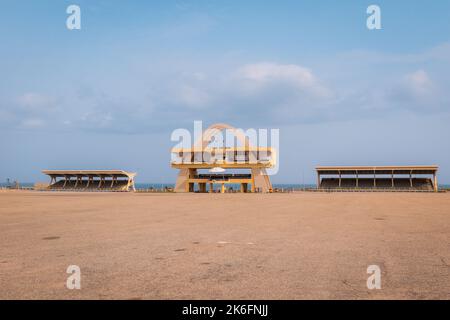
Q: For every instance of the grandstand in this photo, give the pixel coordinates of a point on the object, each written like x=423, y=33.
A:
x=252, y=161
x=90, y=180
x=379, y=178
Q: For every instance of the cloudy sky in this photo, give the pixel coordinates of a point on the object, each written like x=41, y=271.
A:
x=109, y=95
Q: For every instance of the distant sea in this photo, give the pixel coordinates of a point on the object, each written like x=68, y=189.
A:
x=145, y=186
x=230, y=185
x=286, y=186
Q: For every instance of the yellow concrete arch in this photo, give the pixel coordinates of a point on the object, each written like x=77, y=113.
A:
x=216, y=128
x=186, y=178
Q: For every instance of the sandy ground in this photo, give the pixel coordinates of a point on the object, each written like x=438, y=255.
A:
x=224, y=246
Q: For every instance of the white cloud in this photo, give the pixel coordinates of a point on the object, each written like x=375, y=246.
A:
x=192, y=96
x=415, y=91
x=32, y=123
x=97, y=119
x=264, y=72
x=261, y=75
x=439, y=53
x=419, y=83
x=32, y=100
x=266, y=93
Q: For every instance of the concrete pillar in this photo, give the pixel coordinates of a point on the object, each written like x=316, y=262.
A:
x=410, y=179
x=357, y=181
x=261, y=180
x=435, y=182
x=182, y=181
x=318, y=179
x=374, y=179
x=392, y=178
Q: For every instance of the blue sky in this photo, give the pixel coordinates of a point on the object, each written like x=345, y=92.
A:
x=109, y=95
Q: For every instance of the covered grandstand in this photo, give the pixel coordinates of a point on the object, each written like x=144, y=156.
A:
x=90, y=180
x=377, y=178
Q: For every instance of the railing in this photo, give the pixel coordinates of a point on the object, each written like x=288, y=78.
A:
x=369, y=190
x=225, y=176
x=16, y=188
x=154, y=190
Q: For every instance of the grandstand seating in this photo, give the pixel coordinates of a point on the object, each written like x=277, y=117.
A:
x=423, y=184
x=372, y=178
x=93, y=185
x=90, y=180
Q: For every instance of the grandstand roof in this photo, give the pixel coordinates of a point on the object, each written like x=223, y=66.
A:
x=62, y=173
x=422, y=169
